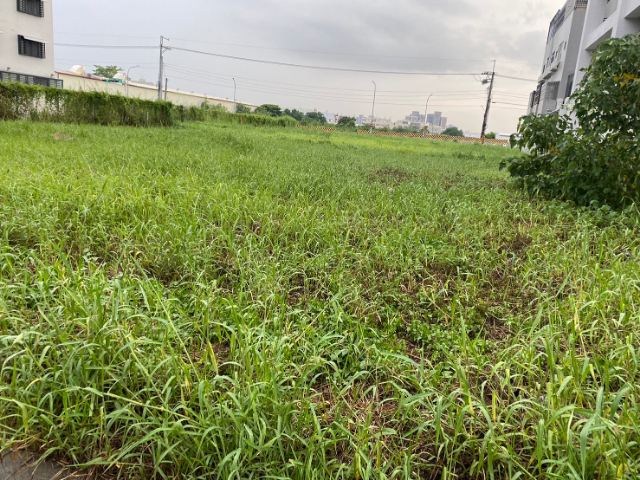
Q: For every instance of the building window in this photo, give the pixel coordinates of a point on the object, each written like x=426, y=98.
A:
x=552, y=90
x=30, y=48
x=31, y=7
x=569, y=86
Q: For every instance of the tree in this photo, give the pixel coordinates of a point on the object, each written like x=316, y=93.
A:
x=491, y=136
x=294, y=114
x=453, y=132
x=269, y=110
x=594, y=159
x=106, y=72
x=241, y=108
x=316, y=117
x=348, y=122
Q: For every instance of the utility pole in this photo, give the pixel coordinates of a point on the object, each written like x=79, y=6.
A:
x=373, y=109
x=161, y=74
x=426, y=108
x=235, y=105
x=485, y=122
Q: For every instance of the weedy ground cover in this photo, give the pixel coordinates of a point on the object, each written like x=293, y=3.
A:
x=223, y=301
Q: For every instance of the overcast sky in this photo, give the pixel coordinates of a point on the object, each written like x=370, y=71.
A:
x=441, y=36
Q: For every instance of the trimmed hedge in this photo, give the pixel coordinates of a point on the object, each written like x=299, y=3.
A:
x=20, y=102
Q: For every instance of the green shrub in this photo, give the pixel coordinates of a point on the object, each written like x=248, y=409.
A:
x=594, y=159
x=18, y=101
x=240, y=108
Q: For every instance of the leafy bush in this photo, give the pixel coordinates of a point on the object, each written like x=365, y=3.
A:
x=453, y=132
x=347, y=122
x=594, y=159
x=241, y=108
x=269, y=110
x=298, y=115
x=315, y=118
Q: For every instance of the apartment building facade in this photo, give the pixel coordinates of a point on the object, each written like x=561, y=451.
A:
x=606, y=19
x=574, y=34
x=557, y=79
x=26, y=42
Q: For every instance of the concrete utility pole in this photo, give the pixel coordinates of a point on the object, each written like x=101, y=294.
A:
x=373, y=109
x=128, y=79
x=485, y=122
x=235, y=88
x=426, y=108
x=161, y=74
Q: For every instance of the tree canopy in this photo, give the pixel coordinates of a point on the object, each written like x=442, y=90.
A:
x=106, y=72
x=453, y=132
x=269, y=110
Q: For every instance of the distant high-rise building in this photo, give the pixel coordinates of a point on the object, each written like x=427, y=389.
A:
x=443, y=123
x=437, y=119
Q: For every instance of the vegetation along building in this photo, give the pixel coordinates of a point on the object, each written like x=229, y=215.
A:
x=26, y=42
x=574, y=34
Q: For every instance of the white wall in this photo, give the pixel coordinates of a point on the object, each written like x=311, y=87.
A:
x=14, y=23
x=144, y=92
x=605, y=20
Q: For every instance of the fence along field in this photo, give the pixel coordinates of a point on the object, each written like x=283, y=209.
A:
x=218, y=300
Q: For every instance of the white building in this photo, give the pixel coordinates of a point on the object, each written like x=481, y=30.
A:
x=575, y=33
x=606, y=19
x=561, y=56
x=26, y=42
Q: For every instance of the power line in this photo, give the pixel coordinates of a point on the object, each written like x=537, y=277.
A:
x=190, y=70
x=408, y=57
x=316, y=67
x=351, y=95
x=518, y=104
x=328, y=98
x=517, y=78
x=125, y=47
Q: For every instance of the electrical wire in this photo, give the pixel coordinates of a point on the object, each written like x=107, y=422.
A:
x=345, y=54
x=368, y=93
x=123, y=47
x=316, y=67
x=516, y=78
x=365, y=101
x=190, y=70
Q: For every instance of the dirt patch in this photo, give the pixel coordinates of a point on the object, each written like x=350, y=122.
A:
x=392, y=176
x=62, y=137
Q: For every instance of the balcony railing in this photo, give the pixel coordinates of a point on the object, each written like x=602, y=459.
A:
x=30, y=79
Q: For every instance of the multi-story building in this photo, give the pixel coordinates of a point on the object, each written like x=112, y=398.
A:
x=575, y=33
x=606, y=19
x=26, y=42
x=561, y=57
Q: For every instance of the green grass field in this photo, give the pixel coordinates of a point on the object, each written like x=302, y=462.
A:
x=222, y=301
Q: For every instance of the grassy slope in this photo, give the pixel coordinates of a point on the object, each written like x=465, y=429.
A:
x=225, y=300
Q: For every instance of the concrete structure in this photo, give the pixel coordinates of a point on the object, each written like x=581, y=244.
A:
x=561, y=56
x=75, y=81
x=575, y=33
x=606, y=19
x=26, y=42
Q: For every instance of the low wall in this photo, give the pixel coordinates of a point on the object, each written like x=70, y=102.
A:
x=144, y=92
